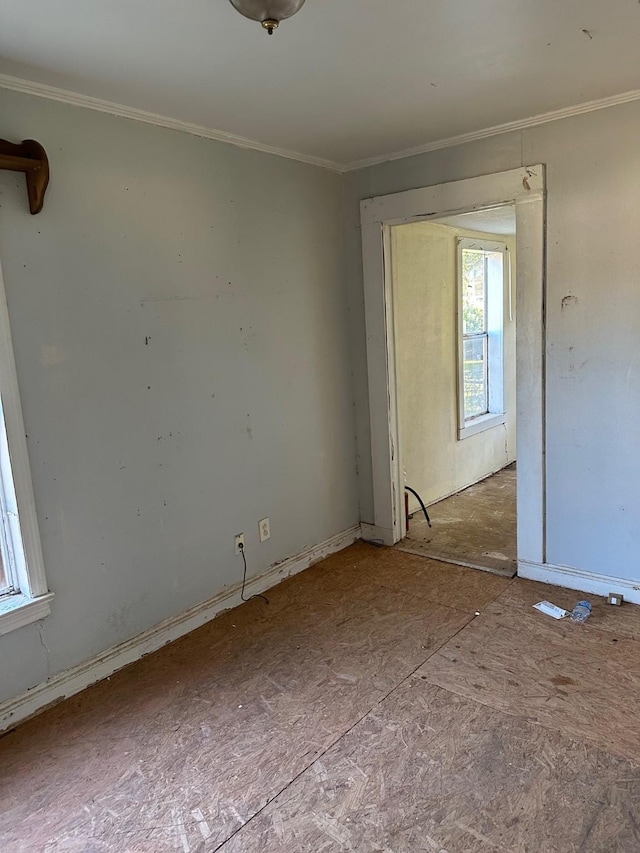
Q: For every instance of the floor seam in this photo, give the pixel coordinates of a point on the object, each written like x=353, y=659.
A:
x=343, y=735
x=450, y=560
x=448, y=606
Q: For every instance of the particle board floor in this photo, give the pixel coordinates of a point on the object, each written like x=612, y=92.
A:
x=476, y=527
x=365, y=708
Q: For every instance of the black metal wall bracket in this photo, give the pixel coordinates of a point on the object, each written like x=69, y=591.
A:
x=28, y=157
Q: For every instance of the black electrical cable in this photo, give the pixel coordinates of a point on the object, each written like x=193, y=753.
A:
x=424, y=509
x=244, y=579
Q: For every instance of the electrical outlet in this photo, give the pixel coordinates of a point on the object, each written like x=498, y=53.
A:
x=239, y=543
x=264, y=525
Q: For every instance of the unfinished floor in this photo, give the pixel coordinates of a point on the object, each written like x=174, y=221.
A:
x=379, y=702
x=476, y=527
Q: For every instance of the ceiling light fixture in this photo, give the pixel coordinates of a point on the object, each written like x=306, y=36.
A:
x=268, y=12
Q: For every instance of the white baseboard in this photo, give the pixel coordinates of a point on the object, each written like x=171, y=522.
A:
x=106, y=663
x=580, y=580
x=371, y=532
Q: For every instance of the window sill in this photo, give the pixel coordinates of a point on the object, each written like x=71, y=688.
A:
x=19, y=610
x=481, y=424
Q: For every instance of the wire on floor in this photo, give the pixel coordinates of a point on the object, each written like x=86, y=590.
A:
x=420, y=501
x=244, y=580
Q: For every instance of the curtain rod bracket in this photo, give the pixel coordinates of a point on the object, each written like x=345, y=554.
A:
x=28, y=157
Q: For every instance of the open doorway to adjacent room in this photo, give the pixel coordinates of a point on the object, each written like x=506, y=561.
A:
x=454, y=294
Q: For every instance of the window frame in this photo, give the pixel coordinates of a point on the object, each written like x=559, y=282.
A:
x=29, y=599
x=494, y=323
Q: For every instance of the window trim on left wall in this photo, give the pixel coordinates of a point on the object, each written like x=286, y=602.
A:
x=29, y=600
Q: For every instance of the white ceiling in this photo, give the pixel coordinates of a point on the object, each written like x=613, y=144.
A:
x=343, y=80
x=494, y=220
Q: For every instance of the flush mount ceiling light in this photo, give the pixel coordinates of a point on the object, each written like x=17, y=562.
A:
x=268, y=12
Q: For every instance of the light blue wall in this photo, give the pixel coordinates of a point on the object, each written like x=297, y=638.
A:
x=188, y=324
x=181, y=335
x=592, y=345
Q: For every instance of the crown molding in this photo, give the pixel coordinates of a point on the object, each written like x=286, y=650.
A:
x=65, y=96
x=52, y=93
x=496, y=130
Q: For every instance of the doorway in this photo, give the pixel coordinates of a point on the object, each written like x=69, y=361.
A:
x=454, y=291
x=523, y=191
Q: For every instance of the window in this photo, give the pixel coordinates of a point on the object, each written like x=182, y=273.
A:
x=8, y=580
x=23, y=590
x=481, y=286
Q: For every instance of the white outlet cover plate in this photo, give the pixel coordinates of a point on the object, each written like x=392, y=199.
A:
x=264, y=526
x=237, y=540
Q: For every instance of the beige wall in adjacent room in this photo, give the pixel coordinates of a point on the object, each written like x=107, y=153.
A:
x=436, y=462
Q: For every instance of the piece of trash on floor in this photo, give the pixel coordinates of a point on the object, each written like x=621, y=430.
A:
x=551, y=609
x=581, y=612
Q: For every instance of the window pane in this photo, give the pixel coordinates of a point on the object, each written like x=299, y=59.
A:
x=476, y=396
x=473, y=292
x=4, y=580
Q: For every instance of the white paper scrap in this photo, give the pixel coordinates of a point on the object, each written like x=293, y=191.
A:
x=551, y=609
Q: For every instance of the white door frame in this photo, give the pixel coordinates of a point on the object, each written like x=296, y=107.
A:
x=525, y=188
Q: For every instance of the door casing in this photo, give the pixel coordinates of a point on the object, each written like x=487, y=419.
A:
x=525, y=189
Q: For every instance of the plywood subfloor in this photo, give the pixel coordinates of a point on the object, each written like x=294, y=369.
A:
x=429, y=771
x=476, y=527
x=366, y=708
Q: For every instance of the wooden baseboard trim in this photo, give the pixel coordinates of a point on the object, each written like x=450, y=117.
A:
x=77, y=678
x=580, y=580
